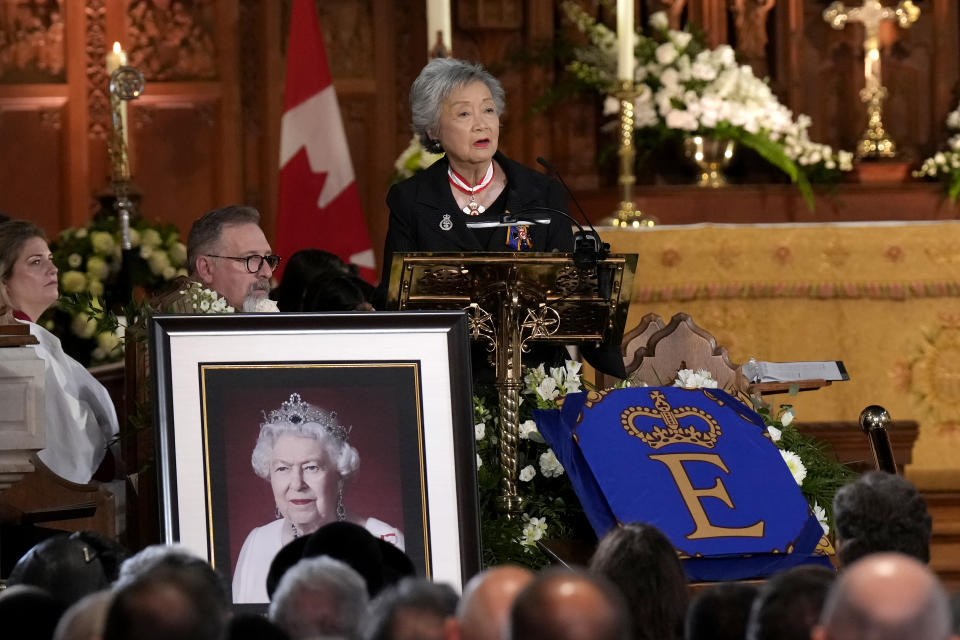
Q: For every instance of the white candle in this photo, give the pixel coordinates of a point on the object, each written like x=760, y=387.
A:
x=625, y=40
x=438, y=20
x=115, y=59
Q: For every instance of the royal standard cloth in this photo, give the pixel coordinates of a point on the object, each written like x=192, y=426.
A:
x=697, y=464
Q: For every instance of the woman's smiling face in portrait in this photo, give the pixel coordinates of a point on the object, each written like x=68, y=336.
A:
x=304, y=481
x=469, y=127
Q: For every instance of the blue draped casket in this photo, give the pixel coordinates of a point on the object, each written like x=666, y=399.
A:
x=696, y=463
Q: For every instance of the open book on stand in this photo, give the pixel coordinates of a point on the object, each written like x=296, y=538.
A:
x=828, y=370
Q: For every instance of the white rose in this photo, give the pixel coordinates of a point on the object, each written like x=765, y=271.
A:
x=158, y=260
x=97, y=267
x=74, y=260
x=528, y=431
x=787, y=417
x=681, y=39
x=102, y=242
x=83, y=326
x=73, y=282
x=550, y=467
x=666, y=53
x=527, y=473
x=479, y=429
x=178, y=253
x=150, y=238
x=775, y=434
x=659, y=21
x=479, y=461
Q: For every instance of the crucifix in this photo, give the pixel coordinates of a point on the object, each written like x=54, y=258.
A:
x=875, y=142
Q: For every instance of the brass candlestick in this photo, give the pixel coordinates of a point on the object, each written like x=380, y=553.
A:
x=628, y=216
x=875, y=143
x=126, y=83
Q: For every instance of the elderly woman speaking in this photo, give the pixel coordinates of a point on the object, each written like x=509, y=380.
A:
x=456, y=109
x=303, y=452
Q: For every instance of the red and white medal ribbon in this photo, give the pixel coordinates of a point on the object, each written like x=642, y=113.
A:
x=473, y=207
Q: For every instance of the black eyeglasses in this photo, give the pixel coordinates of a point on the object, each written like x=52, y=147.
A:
x=254, y=263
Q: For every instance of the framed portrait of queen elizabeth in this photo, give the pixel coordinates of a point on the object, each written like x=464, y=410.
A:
x=270, y=426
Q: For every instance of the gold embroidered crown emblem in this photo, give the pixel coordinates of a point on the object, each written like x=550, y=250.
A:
x=671, y=432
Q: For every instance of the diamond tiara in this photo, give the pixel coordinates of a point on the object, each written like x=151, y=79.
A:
x=296, y=412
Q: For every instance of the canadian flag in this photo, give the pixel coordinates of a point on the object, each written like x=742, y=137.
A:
x=319, y=203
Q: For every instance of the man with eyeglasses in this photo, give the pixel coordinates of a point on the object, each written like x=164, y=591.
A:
x=228, y=253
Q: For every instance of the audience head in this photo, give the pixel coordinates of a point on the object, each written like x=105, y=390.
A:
x=789, y=604
x=178, y=557
x=378, y=562
x=28, y=277
x=484, y=609
x=85, y=619
x=643, y=565
x=166, y=602
x=28, y=613
x=228, y=253
x=337, y=293
x=319, y=597
x=720, y=612
x=70, y=567
x=561, y=604
x=880, y=512
x=412, y=609
x=885, y=596
x=300, y=269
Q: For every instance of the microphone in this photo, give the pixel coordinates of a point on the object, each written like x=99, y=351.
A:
x=582, y=239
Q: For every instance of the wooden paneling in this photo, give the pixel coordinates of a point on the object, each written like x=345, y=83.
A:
x=206, y=131
x=35, y=124
x=181, y=177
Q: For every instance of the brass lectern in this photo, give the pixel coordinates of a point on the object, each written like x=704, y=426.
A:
x=512, y=300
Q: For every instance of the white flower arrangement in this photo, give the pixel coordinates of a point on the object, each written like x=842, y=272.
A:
x=527, y=473
x=690, y=379
x=685, y=86
x=533, y=530
x=945, y=165
x=204, y=300
x=412, y=159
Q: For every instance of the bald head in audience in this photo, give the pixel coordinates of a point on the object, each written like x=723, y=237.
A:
x=484, y=609
x=886, y=596
x=568, y=605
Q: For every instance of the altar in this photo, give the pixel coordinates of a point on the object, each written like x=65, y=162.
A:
x=882, y=297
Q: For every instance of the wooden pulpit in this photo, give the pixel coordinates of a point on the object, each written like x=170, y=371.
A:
x=513, y=300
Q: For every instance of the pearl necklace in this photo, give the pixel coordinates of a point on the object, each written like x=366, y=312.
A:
x=473, y=207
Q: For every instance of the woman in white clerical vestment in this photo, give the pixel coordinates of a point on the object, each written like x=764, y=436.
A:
x=303, y=452
x=80, y=416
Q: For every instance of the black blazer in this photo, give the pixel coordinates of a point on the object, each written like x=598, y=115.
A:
x=418, y=204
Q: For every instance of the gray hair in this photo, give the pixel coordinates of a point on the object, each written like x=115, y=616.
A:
x=434, y=85
x=344, y=456
x=205, y=231
x=171, y=556
x=330, y=580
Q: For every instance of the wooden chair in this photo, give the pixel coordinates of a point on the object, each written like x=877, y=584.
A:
x=653, y=352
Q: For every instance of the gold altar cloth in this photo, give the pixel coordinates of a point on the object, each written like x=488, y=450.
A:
x=882, y=297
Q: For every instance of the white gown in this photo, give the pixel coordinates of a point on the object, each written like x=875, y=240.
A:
x=263, y=543
x=81, y=418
